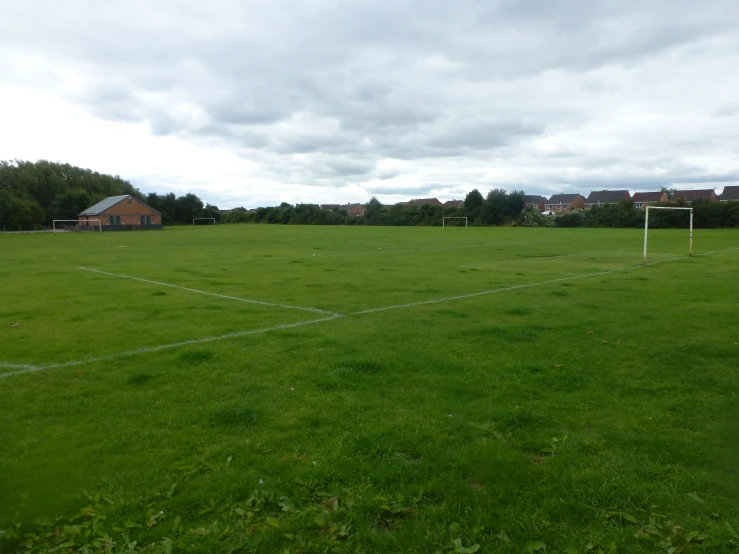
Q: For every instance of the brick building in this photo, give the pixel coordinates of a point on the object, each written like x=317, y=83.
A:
x=122, y=213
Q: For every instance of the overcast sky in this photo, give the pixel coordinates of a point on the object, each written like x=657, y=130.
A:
x=251, y=103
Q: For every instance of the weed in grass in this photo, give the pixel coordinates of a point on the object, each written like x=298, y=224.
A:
x=196, y=357
x=239, y=415
x=139, y=379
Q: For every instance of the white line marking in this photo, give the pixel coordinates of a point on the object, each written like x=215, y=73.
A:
x=539, y=258
x=482, y=293
x=17, y=366
x=314, y=310
x=459, y=297
x=33, y=368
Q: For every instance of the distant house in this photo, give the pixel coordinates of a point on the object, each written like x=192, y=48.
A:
x=643, y=199
x=730, y=194
x=538, y=201
x=600, y=197
x=559, y=203
x=421, y=201
x=329, y=207
x=122, y=213
x=454, y=204
x=689, y=196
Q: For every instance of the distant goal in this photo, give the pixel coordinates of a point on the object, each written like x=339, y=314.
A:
x=646, y=227
x=74, y=225
x=444, y=223
x=204, y=221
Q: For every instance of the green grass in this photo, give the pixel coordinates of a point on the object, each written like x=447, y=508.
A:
x=594, y=409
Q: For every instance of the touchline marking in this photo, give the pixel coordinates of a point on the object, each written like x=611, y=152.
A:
x=146, y=350
x=529, y=285
x=17, y=366
x=538, y=258
x=22, y=369
x=273, y=304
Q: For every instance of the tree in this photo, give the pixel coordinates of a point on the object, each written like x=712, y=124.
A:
x=68, y=205
x=473, y=202
x=372, y=212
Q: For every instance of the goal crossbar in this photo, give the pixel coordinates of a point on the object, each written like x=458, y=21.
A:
x=213, y=219
x=646, y=226
x=88, y=223
x=443, y=220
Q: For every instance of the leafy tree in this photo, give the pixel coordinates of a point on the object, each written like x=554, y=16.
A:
x=372, y=212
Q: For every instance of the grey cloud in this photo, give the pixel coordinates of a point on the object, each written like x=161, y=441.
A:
x=321, y=92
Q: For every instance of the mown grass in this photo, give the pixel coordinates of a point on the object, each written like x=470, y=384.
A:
x=595, y=413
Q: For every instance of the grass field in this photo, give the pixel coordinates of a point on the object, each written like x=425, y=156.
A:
x=348, y=389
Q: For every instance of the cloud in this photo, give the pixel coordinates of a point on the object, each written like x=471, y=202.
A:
x=327, y=101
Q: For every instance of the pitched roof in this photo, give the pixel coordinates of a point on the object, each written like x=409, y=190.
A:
x=454, y=203
x=109, y=202
x=328, y=207
x=610, y=196
x=647, y=196
x=731, y=192
x=104, y=205
x=690, y=195
x=422, y=201
x=533, y=199
x=562, y=198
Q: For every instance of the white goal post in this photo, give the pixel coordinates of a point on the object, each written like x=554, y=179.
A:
x=77, y=224
x=213, y=219
x=443, y=220
x=646, y=227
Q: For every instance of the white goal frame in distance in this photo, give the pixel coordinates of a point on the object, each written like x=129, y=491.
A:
x=443, y=220
x=646, y=226
x=95, y=223
x=210, y=218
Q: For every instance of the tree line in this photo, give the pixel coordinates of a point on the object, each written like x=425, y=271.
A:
x=35, y=193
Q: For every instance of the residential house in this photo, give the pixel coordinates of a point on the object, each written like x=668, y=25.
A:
x=538, y=201
x=456, y=204
x=121, y=213
x=600, y=197
x=421, y=201
x=559, y=203
x=644, y=199
x=688, y=196
x=329, y=207
x=730, y=194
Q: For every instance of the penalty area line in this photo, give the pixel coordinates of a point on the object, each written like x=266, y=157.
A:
x=22, y=369
x=146, y=350
x=225, y=296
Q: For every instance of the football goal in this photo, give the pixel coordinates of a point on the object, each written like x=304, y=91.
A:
x=204, y=221
x=444, y=224
x=646, y=227
x=67, y=225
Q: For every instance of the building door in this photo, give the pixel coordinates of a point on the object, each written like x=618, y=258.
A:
x=143, y=220
x=148, y=220
x=117, y=220
x=112, y=220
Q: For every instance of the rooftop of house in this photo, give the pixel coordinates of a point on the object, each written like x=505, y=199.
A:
x=534, y=199
x=730, y=192
x=422, y=201
x=647, y=196
x=103, y=205
x=607, y=196
x=562, y=198
x=690, y=195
